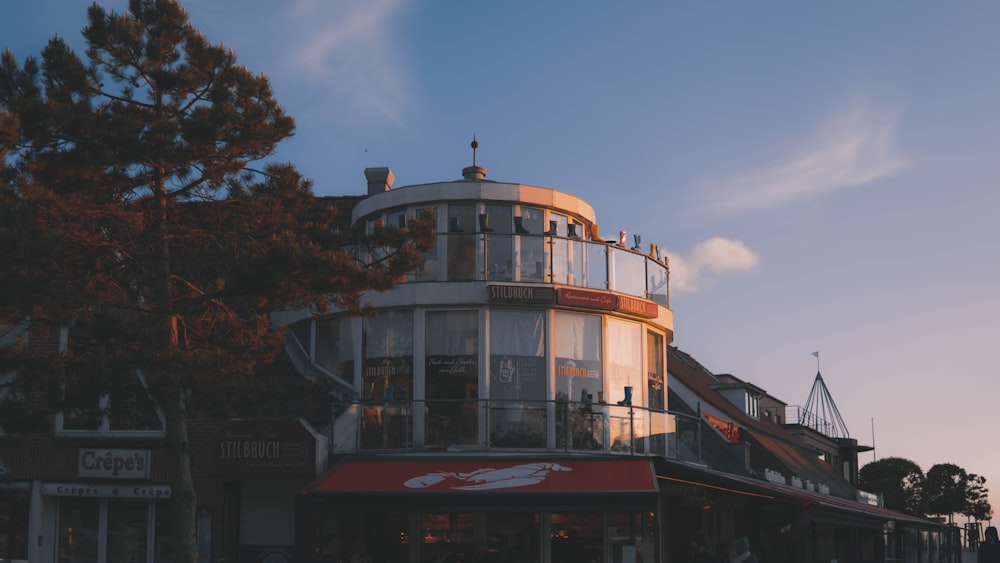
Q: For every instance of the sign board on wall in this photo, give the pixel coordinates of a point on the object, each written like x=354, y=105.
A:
x=113, y=464
x=250, y=449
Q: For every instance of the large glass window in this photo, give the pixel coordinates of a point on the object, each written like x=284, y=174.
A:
x=387, y=379
x=517, y=378
x=625, y=382
x=499, y=247
x=659, y=421
x=579, y=381
x=560, y=248
x=531, y=256
x=655, y=370
x=452, y=377
x=335, y=347
x=462, y=237
x=428, y=270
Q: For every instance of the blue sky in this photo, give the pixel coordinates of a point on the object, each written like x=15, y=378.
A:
x=822, y=175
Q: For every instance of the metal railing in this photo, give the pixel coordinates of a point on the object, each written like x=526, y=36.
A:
x=479, y=425
x=546, y=259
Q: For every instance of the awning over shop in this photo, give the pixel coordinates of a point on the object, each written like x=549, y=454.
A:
x=812, y=501
x=491, y=482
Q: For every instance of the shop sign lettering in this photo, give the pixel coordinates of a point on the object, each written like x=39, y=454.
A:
x=118, y=464
x=99, y=491
x=521, y=294
x=262, y=448
x=636, y=306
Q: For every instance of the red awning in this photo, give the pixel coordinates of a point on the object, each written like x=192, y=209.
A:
x=490, y=476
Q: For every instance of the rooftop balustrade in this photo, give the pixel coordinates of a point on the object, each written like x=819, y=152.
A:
x=483, y=425
x=552, y=259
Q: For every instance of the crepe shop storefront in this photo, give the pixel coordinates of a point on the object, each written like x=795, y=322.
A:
x=485, y=510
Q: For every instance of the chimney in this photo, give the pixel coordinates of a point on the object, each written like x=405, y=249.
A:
x=379, y=180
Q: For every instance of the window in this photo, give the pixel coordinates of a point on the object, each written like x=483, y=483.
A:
x=127, y=410
x=517, y=378
x=452, y=377
x=626, y=383
x=499, y=246
x=428, y=270
x=387, y=367
x=335, y=347
x=531, y=258
x=655, y=370
x=579, y=381
x=387, y=379
x=461, y=241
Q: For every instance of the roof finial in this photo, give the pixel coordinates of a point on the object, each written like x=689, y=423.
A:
x=474, y=172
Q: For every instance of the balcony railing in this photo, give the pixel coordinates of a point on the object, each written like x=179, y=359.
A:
x=476, y=425
x=546, y=259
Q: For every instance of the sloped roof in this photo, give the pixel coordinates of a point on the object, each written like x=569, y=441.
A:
x=771, y=446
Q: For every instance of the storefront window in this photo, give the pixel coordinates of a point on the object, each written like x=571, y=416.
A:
x=78, y=528
x=517, y=378
x=625, y=384
x=579, y=381
x=387, y=379
x=335, y=347
x=633, y=537
x=128, y=530
x=13, y=526
x=655, y=370
x=449, y=537
x=452, y=377
x=513, y=536
x=577, y=537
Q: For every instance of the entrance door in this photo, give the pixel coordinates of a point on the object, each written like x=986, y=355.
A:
x=102, y=530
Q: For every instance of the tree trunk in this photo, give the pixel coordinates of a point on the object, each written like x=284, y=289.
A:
x=183, y=500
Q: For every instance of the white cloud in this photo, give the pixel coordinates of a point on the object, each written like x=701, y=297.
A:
x=346, y=49
x=709, y=260
x=853, y=150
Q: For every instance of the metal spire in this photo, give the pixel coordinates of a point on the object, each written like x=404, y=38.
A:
x=820, y=411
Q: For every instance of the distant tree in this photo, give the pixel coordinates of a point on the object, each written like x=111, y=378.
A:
x=946, y=490
x=132, y=212
x=977, y=499
x=898, y=480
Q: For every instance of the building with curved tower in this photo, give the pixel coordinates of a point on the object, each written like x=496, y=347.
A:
x=510, y=394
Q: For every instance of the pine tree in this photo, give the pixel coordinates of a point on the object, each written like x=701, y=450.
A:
x=138, y=208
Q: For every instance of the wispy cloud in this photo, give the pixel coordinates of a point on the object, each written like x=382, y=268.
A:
x=852, y=150
x=710, y=260
x=346, y=49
